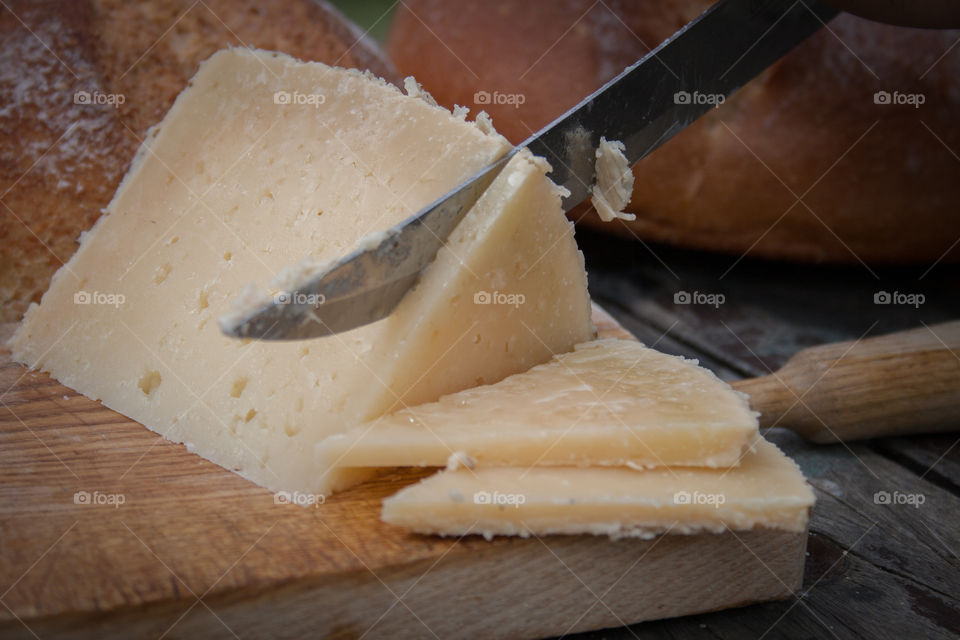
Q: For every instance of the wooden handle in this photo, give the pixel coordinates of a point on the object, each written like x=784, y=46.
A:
x=901, y=383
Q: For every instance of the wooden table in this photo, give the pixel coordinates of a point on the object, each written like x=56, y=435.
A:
x=873, y=570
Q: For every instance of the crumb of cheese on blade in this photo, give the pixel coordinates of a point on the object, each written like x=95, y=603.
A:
x=484, y=122
x=251, y=299
x=614, y=184
x=415, y=90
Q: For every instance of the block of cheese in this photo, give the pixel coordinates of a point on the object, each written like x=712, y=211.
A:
x=608, y=402
x=264, y=161
x=766, y=491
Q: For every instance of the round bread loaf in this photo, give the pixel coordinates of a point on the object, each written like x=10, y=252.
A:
x=846, y=150
x=82, y=80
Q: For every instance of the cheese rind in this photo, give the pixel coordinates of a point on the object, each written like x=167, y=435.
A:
x=766, y=491
x=609, y=402
x=264, y=161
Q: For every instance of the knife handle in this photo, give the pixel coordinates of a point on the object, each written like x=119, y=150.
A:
x=930, y=14
x=896, y=384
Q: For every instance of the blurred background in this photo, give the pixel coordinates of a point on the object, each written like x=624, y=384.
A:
x=373, y=16
x=815, y=209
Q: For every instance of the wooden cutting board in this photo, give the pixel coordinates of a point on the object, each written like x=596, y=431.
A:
x=197, y=551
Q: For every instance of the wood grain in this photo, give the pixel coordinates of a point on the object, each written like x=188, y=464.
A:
x=872, y=571
x=196, y=551
x=902, y=383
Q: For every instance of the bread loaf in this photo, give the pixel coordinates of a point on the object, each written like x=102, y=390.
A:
x=83, y=80
x=876, y=180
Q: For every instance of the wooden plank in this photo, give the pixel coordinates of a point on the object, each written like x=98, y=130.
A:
x=525, y=588
x=917, y=540
x=158, y=528
x=902, y=578
x=853, y=599
x=770, y=310
x=934, y=457
x=873, y=570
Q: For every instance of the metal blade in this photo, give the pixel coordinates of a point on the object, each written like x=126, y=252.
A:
x=657, y=97
x=367, y=284
x=644, y=106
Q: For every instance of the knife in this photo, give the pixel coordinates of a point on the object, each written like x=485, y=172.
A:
x=643, y=107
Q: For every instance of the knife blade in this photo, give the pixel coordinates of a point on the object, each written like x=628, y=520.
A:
x=643, y=107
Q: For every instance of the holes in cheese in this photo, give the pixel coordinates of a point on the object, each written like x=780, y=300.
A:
x=767, y=490
x=609, y=402
x=226, y=191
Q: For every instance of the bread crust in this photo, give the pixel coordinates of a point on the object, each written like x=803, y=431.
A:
x=60, y=161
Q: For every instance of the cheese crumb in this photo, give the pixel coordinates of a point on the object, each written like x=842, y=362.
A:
x=294, y=277
x=614, y=185
x=249, y=301
x=484, y=122
x=415, y=90
x=289, y=279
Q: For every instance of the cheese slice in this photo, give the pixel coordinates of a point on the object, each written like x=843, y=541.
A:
x=766, y=491
x=264, y=161
x=609, y=402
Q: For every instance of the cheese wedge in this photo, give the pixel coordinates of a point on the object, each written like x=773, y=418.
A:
x=766, y=491
x=264, y=161
x=609, y=402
